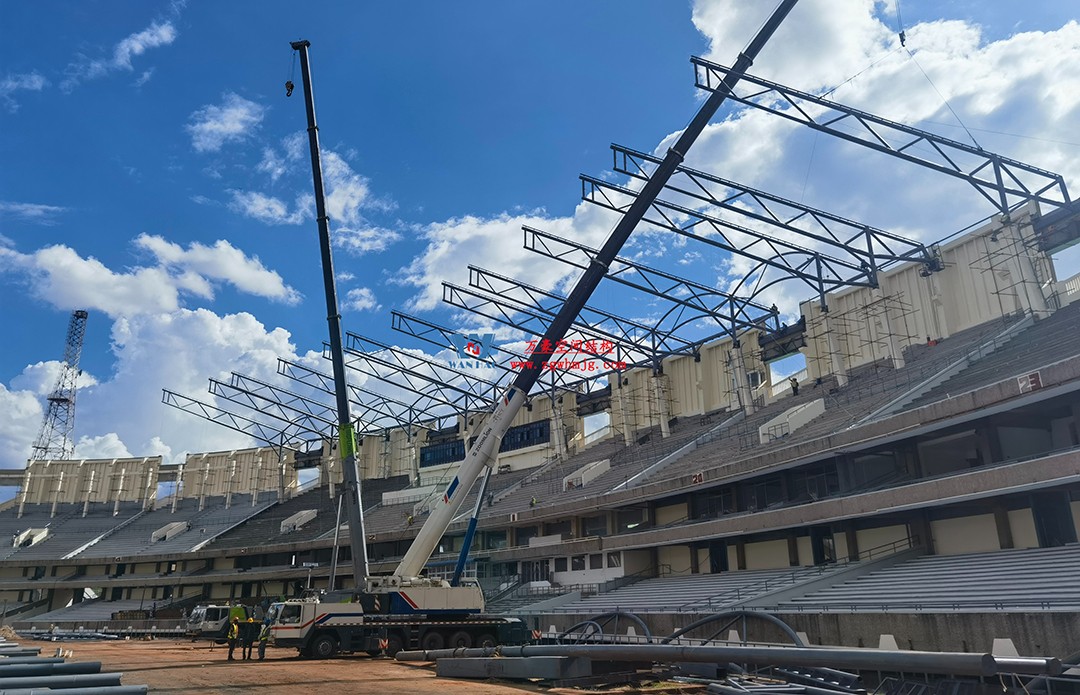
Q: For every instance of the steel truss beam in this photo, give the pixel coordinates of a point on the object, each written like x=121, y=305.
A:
x=1004, y=182
x=413, y=415
x=727, y=310
x=267, y=398
x=656, y=342
x=423, y=376
x=278, y=437
x=532, y=320
x=295, y=411
x=875, y=246
x=528, y=320
x=821, y=272
x=442, y=337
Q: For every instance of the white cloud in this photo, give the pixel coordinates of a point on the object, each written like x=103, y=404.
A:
x=33, y=82
x=60, y=276
x=105, y=446
x=361, y=299
x=35, y=213
x=154, y=36
x=271, y=164
x=143, y=78
x=270, y=210
x=212, y=126
x=348, y=198
x=496, y=243
x=66, y=280
x=19, y=426
x=222, y=261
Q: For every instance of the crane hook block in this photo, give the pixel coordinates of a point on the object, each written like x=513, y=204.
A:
x=289, y=86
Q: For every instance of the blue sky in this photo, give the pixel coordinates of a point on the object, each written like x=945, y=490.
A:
x=156, y=174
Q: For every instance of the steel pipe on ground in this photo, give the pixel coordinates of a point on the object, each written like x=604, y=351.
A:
x=9, y=660
x=83, y=680
x=68, y=669
x=104, y=690
x=951, y=663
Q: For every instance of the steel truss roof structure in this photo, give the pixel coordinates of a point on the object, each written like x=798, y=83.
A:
x=530, y=309
x=662, y=342
x=425, y=408
x=821, y=272
x=877, y=247
x=288, y=436
x=442, y=337
x=260, y=395
x=460, y=390
x=731, y=312
x=1004, y=182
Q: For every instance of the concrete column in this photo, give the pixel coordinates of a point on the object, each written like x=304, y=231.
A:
x=89, y=491
x=1004, y=528
x=895, y=352
x=150, y=489
x=1030, y=291
x=256, y=482
x=56, y=493
x=742, y=383
x=988, y=444
x=119, y=491
x=839, y=369
x=851, y=535
x=627, y=428
x=230, y=483
x=202, y=488
x=178, y=487
x=558, y=431
x=660, y=395
x=25, y=490
x=793, y=550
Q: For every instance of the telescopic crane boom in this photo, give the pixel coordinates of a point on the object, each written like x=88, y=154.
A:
x=484, y=450
x=346, y=435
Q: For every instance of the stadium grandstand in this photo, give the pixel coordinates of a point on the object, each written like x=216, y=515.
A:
x=920, y=477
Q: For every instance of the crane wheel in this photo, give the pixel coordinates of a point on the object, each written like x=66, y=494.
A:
x=324, y=647
x=432, y=640
x=460, y=640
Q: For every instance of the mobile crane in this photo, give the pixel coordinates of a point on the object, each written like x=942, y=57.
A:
x=406, y=610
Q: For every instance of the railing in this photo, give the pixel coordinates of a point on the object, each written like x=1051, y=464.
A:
x=165, y=626
x=932, y=606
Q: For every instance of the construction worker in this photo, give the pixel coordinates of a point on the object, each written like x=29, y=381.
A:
x=264, y=637
x=233, y=635
x=248, y=632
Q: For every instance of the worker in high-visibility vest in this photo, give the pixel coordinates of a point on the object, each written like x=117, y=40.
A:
x=233, y=636
x=264, y=637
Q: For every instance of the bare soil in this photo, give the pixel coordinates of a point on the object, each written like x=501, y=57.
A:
x=187, y=668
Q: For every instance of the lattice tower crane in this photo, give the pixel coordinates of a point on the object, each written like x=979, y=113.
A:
x=56, y=441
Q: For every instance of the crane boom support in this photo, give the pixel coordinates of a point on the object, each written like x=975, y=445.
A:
x=485, y=449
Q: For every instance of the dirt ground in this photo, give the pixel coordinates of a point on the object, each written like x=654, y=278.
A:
x=185, y=668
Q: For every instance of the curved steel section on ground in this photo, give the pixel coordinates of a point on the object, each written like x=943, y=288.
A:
x=731, y=617
x=598, y=622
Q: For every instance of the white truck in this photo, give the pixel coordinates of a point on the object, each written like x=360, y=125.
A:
x=323, y=625
x=211, y=621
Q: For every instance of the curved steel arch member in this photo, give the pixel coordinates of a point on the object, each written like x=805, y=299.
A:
x=597, y=623
x=732, y=617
